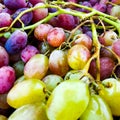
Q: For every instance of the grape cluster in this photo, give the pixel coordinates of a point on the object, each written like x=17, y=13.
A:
x=59, y=59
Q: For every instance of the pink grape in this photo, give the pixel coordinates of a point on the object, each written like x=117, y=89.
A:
x=7, y=78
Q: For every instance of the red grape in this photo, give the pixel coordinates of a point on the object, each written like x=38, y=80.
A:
x=56, y=36
x=116, y=47
x=40, y=13
x=41, y=31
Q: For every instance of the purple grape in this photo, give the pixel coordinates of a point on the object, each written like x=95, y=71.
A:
x=100, y=7
x=16, y=42
x=5, y=20
x=28, y=52
x=34, y=2
x=4, y=57
x=66, y=21
x=93, y=2
x=26, y=18
x=7, y=78
x=15, y=4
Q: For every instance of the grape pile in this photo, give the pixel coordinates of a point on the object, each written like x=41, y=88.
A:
x=59, y=59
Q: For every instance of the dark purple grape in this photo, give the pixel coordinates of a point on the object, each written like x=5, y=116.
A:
x=4, y=57
x=28, y=52
x=117, y=71
x=100, y=7
x=52, y=10
x=66, y=21
x=15, y=4
x=7, y=78
x=54, y=22
x=93, y=2
x=34, y=2
x=5, y=20
x=16, y=42
x=26, y=18
x=106, y=67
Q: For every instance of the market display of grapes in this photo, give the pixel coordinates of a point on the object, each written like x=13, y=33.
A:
x=59, y=59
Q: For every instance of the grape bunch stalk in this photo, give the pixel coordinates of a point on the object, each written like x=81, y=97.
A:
x=59, y=59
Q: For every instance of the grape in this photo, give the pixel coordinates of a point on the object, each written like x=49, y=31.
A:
x=28, y=52
x=85, y=3
x=2, y=117
x=100, y=7
x=5, y=20
x=34, y=111
x=7, y=78
x=58, y=62
x=28, y=91
x=26, y=18
x=108, y=38
x=15, y=4
x=44, y=48
x=93, y=2
x=16, y=42
x=39, y=13
x=54, y=22
x=6, y=10
x=117, y=71
x=56, y=36
x=41, y=31
x=84, y=40
x=4, y=57
x=34, y=2
x=19, y=68
x=115, y=11
x=69, y=100
x=78, y=55
x=52, y=10
x=66, y=21
x=52, y=81
x=36, y=67
x=106, y=67
x=116, y=1
x=116, y=47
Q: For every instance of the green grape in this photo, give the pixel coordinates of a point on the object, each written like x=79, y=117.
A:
x=2, y=117
x=68, y=100
x=25, y=92
x=34, y=111
x=52, y=81
x=97, y=109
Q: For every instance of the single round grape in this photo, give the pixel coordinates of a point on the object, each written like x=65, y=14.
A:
x=54, y=22
x=34, y=2
x=100, y=7
x=7, y=78
x=61, y=103
x=28, y=91
x=15, y=4
x=58, y=62
x=51, y=81
x=108, y=38
x=41, y=31
x=115, y=11
x=56, y=36
x=40, y=13
x=28, y=52
x=36, y=67
x=84, y=40
x=116, y=47
x=5, y=20
x=44, y=48
x=26, y=18
x=16, y=42
x=106, y=67
x=78, y=55
x=66, y=21
x=19, y=68
x=4, y=57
